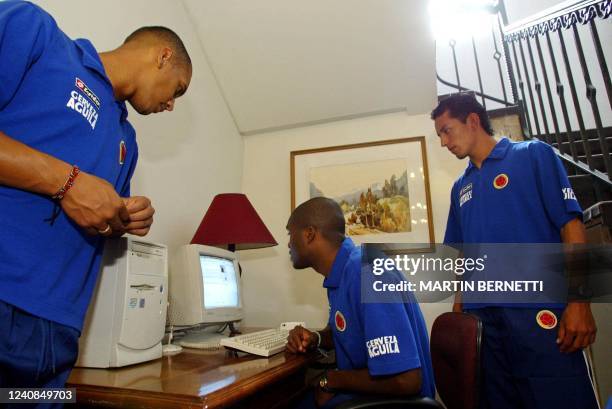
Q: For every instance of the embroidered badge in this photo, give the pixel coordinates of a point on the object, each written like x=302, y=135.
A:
x=122, y=152
x=465, y=194
x=340, y=321
x=546, y=319
x=500, y=181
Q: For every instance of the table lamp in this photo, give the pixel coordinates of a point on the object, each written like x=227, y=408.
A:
x=232, y=222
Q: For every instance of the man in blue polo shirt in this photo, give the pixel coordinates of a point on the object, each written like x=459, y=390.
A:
x=518, y=193
x=381, y=347
x=67, y=154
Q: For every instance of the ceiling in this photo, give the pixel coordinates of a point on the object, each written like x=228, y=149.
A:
x=283, y=63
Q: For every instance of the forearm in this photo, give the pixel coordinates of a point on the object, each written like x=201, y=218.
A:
x=360, y=380
x=573, y=235
x=25, y=168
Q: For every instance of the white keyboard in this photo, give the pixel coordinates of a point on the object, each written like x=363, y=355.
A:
x=263, y=343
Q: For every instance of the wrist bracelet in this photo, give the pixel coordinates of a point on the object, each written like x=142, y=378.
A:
x=59, y=195
x=319, y=339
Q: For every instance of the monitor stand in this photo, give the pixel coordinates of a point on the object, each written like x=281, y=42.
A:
x=208, y=341
x=233, y=330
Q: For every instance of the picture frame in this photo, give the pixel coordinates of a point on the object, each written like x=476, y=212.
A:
x=382, y=188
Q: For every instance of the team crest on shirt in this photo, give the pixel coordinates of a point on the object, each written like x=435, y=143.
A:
x=546, y=319
x=122, y=152
x=340, y=321
x=501, y=181
x=465, y=194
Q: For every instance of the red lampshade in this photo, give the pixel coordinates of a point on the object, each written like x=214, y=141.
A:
x=232, y=220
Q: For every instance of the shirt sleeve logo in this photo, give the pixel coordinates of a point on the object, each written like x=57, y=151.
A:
x=382, y=346
x=501, y=181
x=546, y=319
x=340, y=321
x=568, y=193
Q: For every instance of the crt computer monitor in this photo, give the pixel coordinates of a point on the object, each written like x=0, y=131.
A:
x=204, y=286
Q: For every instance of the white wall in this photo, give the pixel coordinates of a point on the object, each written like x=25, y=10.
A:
x=294, y=63
x=273, y=290
x=186, y=156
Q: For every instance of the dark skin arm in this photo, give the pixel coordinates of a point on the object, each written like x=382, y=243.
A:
x=301, y=340
x=91, y=203
x=577, y=327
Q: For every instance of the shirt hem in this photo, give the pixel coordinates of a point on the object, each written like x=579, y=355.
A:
x=392, y=369
x=46, y=311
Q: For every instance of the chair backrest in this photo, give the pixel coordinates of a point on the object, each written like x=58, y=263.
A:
x=455, y=356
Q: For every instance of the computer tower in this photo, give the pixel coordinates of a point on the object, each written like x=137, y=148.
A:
x=126, y=318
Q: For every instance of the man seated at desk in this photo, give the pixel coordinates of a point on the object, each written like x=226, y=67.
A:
x=381, y=348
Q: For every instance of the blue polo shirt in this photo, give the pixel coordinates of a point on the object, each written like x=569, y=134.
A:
x=520, y=194
x=386, y=338
x=55, y=97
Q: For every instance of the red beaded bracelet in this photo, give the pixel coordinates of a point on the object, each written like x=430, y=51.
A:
x=68, y=184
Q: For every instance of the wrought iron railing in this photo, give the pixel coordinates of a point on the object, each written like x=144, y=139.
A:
x=532, y=83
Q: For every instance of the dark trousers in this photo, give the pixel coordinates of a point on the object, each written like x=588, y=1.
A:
x=522, y=367
x=34, y=352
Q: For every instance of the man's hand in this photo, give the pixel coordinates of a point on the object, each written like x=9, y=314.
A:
x=301, y=340
x=577, y=327
x=457, y=307
x=93, y=204
x=322, y=397
x=141, y=215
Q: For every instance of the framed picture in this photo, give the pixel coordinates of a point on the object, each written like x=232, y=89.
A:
x=382, y=188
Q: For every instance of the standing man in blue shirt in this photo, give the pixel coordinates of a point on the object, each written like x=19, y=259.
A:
x=381, y=348
x=67, y=154
x=518, y=193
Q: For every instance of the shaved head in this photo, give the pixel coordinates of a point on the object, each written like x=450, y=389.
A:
x=165, y=36
x=323, y=214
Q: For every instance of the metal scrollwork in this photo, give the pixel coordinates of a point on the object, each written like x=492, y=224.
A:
x=601, y=10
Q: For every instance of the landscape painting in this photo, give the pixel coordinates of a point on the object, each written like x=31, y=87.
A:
x=382, y=188
x=373, y=195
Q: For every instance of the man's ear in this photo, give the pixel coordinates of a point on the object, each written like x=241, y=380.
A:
x=163, y=58
x=309, y=234
x=473, y=120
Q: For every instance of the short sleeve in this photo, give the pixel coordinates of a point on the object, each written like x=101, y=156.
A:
x=553, y=184
x=454, y=234
x=389, y=337
x=24, y=31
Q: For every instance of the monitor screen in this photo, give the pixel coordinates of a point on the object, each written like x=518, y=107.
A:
x=220, y=282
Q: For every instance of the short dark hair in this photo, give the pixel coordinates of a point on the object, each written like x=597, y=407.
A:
x=459, y=106
x=322, y=213
x=166, y=35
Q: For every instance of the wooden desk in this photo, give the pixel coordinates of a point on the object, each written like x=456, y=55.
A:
x=197, y=379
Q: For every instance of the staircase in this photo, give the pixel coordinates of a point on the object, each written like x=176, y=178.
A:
x=589, y=189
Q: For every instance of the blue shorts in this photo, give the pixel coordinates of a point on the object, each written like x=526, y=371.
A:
x=522, y=366
x=34, y=352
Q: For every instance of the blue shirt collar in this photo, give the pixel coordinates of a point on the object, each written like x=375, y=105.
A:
x=334, y=277
x=498, y=152
x=91, y=59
